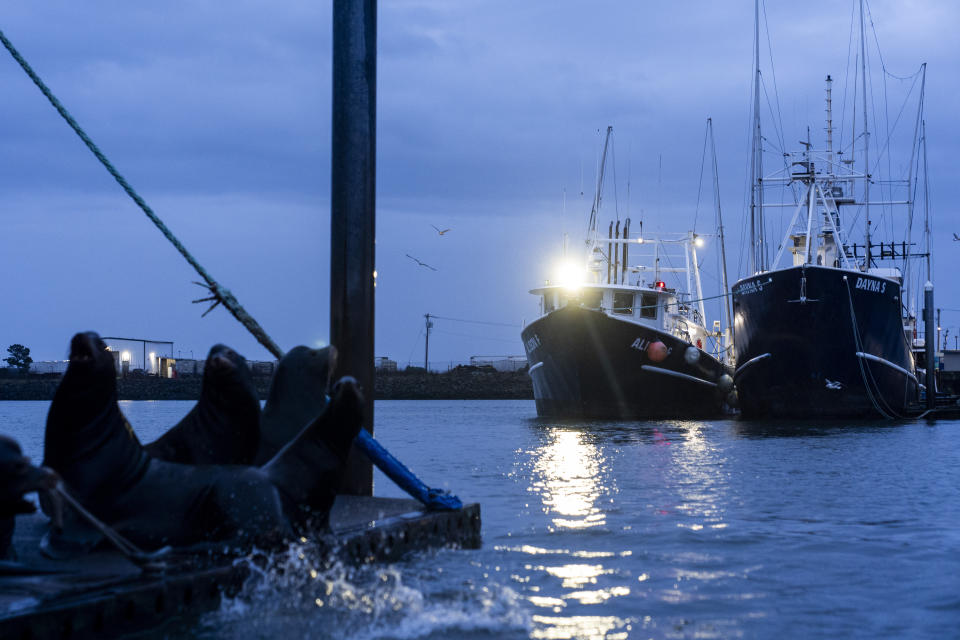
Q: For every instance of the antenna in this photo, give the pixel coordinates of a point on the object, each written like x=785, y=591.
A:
x=830, y=123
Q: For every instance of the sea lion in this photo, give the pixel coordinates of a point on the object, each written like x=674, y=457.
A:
x=154, y=502
x=17, y=478
x=224, y=426
x=297, y=396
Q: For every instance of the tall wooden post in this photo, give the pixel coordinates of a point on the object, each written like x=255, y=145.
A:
x=352, y=209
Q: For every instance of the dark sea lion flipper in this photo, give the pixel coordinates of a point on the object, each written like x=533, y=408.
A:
x=297, y=396
x=224, y=426
x=309, y=470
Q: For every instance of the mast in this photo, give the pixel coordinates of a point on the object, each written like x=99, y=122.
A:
x=830, y=124
x=756, y=206
x=911, y=192
x=723, y=250
x=866, y=139
x=592, y=227
x=926, y=201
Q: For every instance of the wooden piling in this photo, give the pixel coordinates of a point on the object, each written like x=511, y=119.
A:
x=352, y=209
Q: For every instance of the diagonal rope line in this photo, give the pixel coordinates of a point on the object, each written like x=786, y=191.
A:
x=220, y=294
x=393, y=468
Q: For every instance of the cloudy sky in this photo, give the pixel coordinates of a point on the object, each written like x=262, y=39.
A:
x=490, y=121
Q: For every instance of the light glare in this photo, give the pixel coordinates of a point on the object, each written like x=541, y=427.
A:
x=570, y=275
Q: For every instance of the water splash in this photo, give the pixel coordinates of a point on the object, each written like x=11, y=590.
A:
x=302, y=592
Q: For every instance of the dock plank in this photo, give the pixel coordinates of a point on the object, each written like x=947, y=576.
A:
x=103, y=594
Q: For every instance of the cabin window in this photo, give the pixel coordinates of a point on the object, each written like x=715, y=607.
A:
x=548, y=303
x=648, y=305
x=623, y=302
x=592, y=299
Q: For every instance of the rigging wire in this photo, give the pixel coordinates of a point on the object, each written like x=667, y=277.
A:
x=703, y=157
x=773, y=73
x=465, y=335
x=416, y=343
x=846, y=80
x=883, y=65
x=496, y=324
x=886, y=115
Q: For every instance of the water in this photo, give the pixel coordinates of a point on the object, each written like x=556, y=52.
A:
x=669, y=529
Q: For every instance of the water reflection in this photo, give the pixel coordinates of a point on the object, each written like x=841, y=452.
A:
x=570, y=475
x=802, y=428
x=566, y=476
x=699, y=476
x=591, y=627
x=679, y=480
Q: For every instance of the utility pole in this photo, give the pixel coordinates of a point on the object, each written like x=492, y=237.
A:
x=426, y=349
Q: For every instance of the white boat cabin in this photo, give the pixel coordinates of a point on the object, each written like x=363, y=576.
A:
x=658, y=307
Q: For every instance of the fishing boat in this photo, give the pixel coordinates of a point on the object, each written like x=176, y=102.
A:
x=824, y=329
x=615, y=340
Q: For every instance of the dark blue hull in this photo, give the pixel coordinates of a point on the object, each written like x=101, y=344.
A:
x=584, y=363
x=821, y=342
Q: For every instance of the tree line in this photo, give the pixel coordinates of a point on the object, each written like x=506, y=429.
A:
x=19, y=358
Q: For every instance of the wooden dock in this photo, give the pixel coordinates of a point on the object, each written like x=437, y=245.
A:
x=102, y=594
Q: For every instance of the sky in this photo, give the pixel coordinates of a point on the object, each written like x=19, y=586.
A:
x=490, y=123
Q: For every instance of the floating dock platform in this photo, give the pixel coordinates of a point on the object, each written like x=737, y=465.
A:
x=103, y=594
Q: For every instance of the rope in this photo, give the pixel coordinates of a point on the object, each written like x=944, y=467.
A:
x=150, y=561
x=220, y=295
x=390, y=466
x=435, y=499
x=890, y=413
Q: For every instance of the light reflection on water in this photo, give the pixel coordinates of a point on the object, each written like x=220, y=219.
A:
x=571, y=478
x=568, y=474
x=578, y=488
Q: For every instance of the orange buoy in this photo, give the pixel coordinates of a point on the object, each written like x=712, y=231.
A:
x=657, y=351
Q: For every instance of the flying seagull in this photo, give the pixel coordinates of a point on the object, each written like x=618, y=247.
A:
x=438, y=229
x=422, y=264
x=956, y=237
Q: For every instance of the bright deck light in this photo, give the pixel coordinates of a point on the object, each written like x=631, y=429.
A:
x=570, y=275
x=697, y=240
